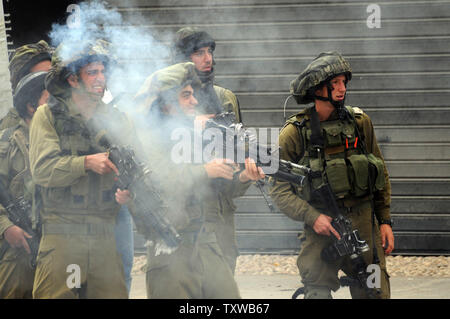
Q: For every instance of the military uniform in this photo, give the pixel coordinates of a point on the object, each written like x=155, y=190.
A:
x=78, y=207
x=347, y=170
x=16, y=274
x=11, y=119
x=213, y=99
x=220, y=216
x=198, y=268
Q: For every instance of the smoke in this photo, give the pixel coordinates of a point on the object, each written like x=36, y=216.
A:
x=136, y=53
x=94, y=20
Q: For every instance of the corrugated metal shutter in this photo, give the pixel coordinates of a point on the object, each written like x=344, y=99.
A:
x=401, y=79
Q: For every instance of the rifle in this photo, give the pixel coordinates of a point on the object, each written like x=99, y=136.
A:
x=240, y=141
x=19, y=213
x=350, y=243
x=150, y=210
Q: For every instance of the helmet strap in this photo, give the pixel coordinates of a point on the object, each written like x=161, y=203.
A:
x=339, y=105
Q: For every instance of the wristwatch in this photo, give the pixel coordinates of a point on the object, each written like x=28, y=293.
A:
x=382, y=221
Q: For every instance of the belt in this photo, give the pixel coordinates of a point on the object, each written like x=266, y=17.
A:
x=352, y=203
x=78, y=229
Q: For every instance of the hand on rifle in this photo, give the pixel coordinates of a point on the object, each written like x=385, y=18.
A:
x=15, y=236
x=251, y=171
x=220, y=168
x=202, y=119
x=322, y=226
x=123, y=196
x=100, y=164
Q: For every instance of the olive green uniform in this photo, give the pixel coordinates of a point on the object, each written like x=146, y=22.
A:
x=295, y=147
x=220, y=216
x=78, y=206
x=199, y=268
x=11, y=119
x=16, y=274
x=187, y=41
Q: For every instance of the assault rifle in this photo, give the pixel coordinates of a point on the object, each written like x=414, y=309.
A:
x=350, y=244
x=240, y=143
x=150, y=210
x=19, y=213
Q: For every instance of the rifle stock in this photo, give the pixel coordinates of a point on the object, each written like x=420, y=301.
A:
x=19, y=213
x=150, y=210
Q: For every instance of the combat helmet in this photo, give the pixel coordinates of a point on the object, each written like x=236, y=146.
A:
x=322, y=69
x=69, y=59
x=29, y=90
x=187, y=41
x=25, y=57
x=161, y=86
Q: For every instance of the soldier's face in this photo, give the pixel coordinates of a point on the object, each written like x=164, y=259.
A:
x=339, y=88
x=92, y=79
x=41, y=66
x=187, y=101
x=203, y=59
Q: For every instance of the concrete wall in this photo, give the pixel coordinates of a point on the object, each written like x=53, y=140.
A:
x=401, y=79
x=5, y=84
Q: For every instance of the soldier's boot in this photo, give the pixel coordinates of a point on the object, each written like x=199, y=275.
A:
x=317, y=292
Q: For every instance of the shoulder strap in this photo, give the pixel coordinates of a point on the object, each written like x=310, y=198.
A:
x=317, y=140
x=22, y=142
x=353, y=112
x=7, y=133
x=299, y=125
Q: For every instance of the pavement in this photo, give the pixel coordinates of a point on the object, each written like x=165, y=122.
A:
x=283, y=286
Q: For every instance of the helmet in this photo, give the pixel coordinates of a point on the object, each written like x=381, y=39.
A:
x=187, y=41
x=321, y=70
x=69, y=60
x=25, y=57
x=29, y=90
x=163, y=83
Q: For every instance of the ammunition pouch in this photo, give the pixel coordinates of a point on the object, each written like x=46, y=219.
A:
x=350, y=177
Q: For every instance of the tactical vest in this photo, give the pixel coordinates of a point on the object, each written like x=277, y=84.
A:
x=14, y=139
x=93, y=193
x=344, y=163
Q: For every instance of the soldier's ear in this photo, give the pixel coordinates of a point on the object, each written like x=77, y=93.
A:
x=321, y=91
x=73, y=81
x=30, y=110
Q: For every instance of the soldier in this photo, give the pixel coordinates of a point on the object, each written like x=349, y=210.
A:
x=77, y=256
x=28, y=58
x=198, y=46
x=349, y=139
x=197, y=269
x=16, y=273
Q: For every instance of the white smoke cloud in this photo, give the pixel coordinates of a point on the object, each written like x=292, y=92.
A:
x=130, y=44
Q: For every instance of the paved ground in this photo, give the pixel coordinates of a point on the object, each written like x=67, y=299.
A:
x=283, y=286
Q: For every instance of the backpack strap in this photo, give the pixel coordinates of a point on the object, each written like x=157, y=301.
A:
x=299, y=125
